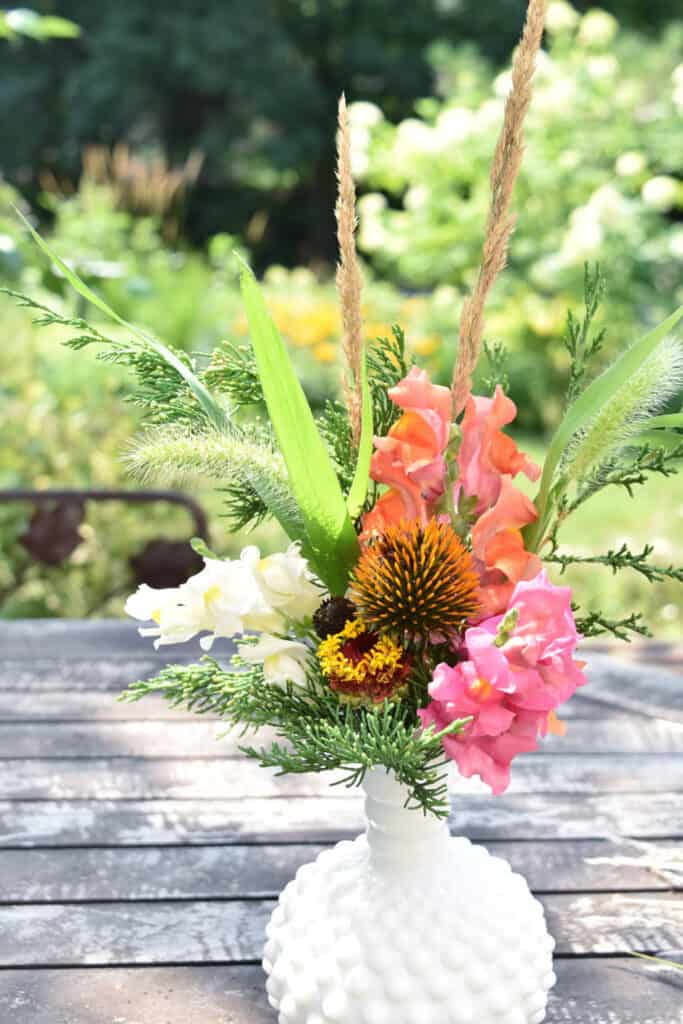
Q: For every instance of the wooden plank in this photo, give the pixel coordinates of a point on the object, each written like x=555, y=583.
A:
x=202, y=931
x=68, y=706
x=191, y=779
x=649, y=652
x=647, y=690
x=327, y=819
x=612, y=991
x=178, y=738
x=156, y=995
x=78, y=674
x=611, y=923
x=196, y=738
x=65, y=705
x=615, y=991
x=158, y=873
x=111, y=638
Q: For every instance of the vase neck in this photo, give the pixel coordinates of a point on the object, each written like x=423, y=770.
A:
x=395, y=832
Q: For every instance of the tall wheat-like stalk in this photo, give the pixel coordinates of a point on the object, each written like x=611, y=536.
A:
x=349, y=277
x=500, y=222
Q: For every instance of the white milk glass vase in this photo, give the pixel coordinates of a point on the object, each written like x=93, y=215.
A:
x=406, y=925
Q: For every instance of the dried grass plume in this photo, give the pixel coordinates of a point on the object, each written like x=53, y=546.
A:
x=500, y=222
x=349, y=277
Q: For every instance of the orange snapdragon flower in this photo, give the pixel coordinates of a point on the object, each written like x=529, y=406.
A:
x=486, y=453
x=410, y=459
x=498, y=547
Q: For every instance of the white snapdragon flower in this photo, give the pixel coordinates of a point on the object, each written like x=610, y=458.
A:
x=176, y=621
x=283, y=660
x=229, y=600
x=228, y=597
x=287, y=584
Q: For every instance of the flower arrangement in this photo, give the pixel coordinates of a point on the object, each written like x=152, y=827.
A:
x=411, y=620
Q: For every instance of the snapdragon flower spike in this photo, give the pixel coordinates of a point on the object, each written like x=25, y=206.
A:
x=229, y=597
x=519, y=668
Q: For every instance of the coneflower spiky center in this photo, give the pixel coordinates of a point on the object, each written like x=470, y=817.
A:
x=416, y=579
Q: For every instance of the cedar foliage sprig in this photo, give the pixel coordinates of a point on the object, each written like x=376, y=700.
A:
x=597, y=624
x=387, y=365
x=633, y=470
x=335, y=427
x=618, y=559
x=497, y=358
x=321, y=733
x=581, y=342
x=161, y=392
x=232, y=372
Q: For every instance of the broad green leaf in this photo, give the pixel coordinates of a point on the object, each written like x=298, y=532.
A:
x=215, y=412
x=313, y=481
x=359, y=487
x=667, y=439
x=586, y=406
x=674, y=419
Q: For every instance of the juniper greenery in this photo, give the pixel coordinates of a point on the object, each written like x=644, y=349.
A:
x=621, y=558
x=497, y=359
x=387, y=365
x=596, y=624
x=160, y=391
x=580, y=340
x=321, y=733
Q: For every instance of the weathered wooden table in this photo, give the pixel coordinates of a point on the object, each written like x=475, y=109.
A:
x=139, y=859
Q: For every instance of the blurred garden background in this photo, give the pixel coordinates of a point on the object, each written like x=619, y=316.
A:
x=150, y=141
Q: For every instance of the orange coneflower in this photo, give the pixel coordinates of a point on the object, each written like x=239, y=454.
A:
x=416, y=579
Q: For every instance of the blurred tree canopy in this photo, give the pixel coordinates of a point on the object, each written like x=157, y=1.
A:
x=252, y=85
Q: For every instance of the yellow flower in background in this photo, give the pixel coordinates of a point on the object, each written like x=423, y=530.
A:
x=427, y=344
x=325, y=352
x=377, y=329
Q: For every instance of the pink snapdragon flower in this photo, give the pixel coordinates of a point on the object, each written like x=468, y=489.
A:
x=520, y=667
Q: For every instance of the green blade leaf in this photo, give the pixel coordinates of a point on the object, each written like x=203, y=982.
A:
x=215, y=412
x=674, y=419
x=313, y=481
x=359, y=487
x=585, y=408
x=669, y=440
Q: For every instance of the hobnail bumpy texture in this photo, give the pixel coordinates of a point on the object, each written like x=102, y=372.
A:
x=406, y=925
